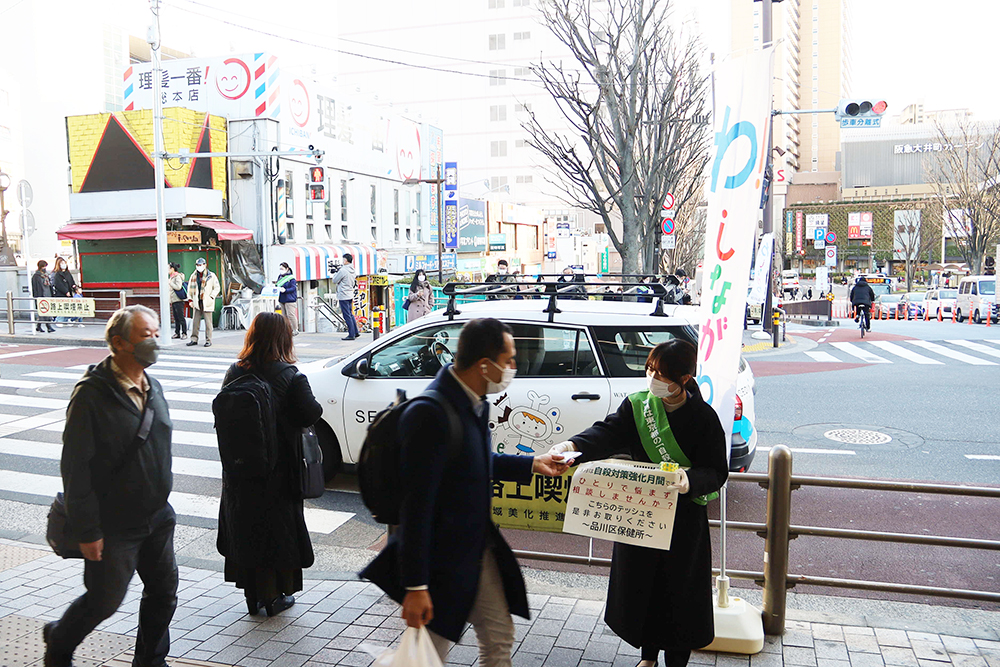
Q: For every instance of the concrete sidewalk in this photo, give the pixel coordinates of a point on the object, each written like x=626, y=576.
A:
x=334, y=618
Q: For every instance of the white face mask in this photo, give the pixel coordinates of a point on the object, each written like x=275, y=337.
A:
x=421, y=278
x=662, y=389
x=201, y=269
x=502, y=271
x=506, y=377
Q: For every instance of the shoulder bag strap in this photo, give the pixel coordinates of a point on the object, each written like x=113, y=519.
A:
x=141, y=436
x=454, y=423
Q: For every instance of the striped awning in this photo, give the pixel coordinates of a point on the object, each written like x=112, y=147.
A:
x=310, y=262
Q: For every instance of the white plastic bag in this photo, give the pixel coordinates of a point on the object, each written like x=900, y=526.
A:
x=415, y=650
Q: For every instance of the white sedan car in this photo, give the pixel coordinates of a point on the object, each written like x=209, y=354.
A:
x=573, y=369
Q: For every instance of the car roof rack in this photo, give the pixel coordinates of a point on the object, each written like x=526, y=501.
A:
x=547, y=284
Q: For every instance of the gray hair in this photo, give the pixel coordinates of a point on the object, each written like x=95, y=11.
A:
x=120, y=323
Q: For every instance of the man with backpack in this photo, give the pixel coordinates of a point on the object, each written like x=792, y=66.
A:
x=116, y=475
x=448, y=564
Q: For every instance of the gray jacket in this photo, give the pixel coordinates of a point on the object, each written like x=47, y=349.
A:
x=345, y=281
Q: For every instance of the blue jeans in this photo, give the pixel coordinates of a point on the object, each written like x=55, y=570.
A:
x=347, y=310
x=148, y=550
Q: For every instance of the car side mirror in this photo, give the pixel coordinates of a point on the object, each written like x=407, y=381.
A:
x=361, y=368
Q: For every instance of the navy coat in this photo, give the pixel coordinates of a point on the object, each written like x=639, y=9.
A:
x=445, y=519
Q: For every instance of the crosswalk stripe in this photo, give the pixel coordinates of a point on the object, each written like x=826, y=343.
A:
x=187, y=364
x=823, y=356
x=982, y=457
x=863, y=355
x=31, y=423
x=187, y=397
x=198, y=359
x=24, y=384
x=185, y=504
x=26, y=353
x=33, y=402
x=995, y=341
x=191, y=438
x=157, y=372
x=53, y=452
x=180, y=384
x=54, y=375
x=901, y=351
x=948, y=352
x=976, y=347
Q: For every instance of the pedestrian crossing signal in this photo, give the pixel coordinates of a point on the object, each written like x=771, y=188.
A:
x=317, y=185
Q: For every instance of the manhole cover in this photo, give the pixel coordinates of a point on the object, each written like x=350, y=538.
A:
x=857, y=436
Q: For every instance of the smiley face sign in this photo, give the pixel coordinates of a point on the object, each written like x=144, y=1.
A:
x=298, y=103
x=233, y=79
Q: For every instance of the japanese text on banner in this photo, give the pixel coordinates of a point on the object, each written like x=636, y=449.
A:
x=621, y=501
x=743, y=108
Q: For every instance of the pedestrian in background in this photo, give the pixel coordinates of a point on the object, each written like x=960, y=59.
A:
x=662, y=600
x=262, y=529
x=421, y=296
x=63, y=285
x=178, y=299
x=346, y=284
x=116, y=479
x=203, y=288
x=288, y=296
x=41, y=288
x=448, y=564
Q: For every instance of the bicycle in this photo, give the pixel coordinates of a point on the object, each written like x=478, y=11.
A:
x=864, y=318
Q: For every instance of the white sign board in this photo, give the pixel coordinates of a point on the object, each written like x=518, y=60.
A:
x=822, y=281
x=831, y=255
x=736, y=173
x=668, y=242
x=622, y=501
x=758, y=291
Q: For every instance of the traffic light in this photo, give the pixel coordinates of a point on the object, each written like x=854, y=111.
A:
x=317, y=185
x=851, y=113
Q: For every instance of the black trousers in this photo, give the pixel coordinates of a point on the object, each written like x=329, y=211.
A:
x=180, y=324
x=148, y=550
x=674, y=657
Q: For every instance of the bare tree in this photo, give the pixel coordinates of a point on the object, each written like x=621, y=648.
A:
x=966, y=176
x=634, y=99
x=912, y=240
x=690, y=244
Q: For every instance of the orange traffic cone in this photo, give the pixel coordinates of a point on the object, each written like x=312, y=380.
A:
x=989, y=317
x=927, y=313
x=939, y=317
x=953, y=309
x=970, y=318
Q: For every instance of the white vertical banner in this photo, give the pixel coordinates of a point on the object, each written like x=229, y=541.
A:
x=762, y=270
x=741, y=121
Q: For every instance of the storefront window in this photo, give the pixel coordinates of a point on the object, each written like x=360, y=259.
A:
x=289, y=197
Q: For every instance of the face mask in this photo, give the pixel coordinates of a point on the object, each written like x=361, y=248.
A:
x=201, y=269
x=502, y=271
x=421, y=278
x=506, y=377
x=662, y=389
x=146, y=352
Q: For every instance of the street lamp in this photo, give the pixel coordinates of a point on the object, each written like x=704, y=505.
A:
x=434, y=181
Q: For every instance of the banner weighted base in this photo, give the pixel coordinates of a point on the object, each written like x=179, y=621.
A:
x=738, y=628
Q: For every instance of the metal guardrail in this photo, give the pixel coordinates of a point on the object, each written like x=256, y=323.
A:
x=819, y=309
x=27, y=314
x=778, y=531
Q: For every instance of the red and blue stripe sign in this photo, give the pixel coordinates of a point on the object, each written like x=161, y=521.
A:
x=310, y=261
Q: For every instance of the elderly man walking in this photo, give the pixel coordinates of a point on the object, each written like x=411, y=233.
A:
x=116, y=476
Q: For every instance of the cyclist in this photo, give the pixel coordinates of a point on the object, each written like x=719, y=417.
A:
x=862, y=297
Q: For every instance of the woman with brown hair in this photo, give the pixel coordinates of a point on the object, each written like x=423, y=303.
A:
x=662, y=600
x=262, y=529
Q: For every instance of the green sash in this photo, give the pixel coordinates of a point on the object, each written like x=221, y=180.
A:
x=656, y=436
x=284, y=279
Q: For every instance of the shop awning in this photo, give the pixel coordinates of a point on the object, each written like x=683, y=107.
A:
x=96, y=231
x=226, y=230
x=310, y=262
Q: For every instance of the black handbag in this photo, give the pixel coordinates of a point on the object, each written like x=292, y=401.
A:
x=58, y=533
x=311, y=478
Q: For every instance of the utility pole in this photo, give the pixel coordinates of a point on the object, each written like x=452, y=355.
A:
x=768, y=211
x=158, y=150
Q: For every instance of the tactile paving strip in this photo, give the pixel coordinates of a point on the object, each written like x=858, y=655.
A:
x=24, y=651
x=125, y=660
x=14, y=626
x=101, y=646
x=11, y=556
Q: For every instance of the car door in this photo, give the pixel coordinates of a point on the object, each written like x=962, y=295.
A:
x=407, y=363
x=560, y=389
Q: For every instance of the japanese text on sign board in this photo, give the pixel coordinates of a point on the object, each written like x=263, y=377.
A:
x=620, y=501
x=65, y=307
x=538, y=505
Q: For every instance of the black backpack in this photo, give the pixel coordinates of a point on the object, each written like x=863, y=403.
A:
x=379, y=474
x=245, y=426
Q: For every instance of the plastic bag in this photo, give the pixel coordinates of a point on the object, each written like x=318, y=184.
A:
x=415, y=650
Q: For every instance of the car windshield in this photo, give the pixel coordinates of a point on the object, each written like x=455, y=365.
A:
x=948, y=294
x=988, y=287
x=915, y=296
x=891, y=298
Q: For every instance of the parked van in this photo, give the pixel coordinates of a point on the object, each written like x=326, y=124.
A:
x=977, y=298
x=790, y=283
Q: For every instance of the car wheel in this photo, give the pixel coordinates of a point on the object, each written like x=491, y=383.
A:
x=977, y=318
x=332, y=456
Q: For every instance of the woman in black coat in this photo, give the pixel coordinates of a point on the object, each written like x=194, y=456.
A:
x=662, y=600
x=262, y=529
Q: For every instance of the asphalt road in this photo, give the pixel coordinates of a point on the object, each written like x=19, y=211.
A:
x=914, y=401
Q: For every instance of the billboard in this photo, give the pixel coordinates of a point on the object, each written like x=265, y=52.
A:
x=471, y=225
x=859, y=225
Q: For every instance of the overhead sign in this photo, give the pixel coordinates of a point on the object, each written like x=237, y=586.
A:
x=631, y=503
x=831, y=255
x=451, y=220
x=498, y=242
x=50, y=307
x=429, y=262
x=667, y=226
x=741, y=117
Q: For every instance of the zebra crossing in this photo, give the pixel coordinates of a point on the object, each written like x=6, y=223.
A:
x=922, y=352
x=29, y=419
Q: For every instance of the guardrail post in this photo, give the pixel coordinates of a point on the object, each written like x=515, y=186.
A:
x=10, y=312
x=122, y=301
x=779, y=507
x=775, y=325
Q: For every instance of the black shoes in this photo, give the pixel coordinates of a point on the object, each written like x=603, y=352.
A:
x=254, y=606
x=208, y=343
x=349, y=338
x=279, y=604
x=193, y=342
x=50, y=660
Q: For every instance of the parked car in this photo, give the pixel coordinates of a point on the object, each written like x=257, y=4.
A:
x=790, y=283
x=940, y=302
x=887, y=305
x=572, y=371
x=915, y=305
x=977, y=298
